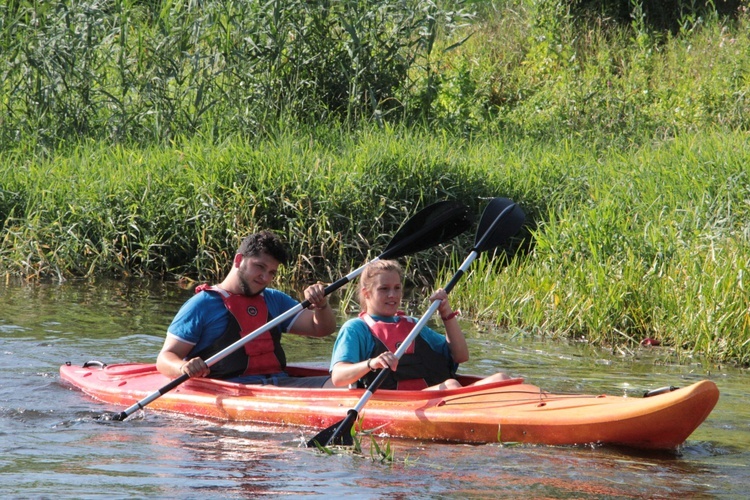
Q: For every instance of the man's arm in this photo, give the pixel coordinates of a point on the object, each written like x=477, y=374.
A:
x=319, y=320
x=171, y=360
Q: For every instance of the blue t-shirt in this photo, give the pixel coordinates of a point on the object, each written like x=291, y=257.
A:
x=203, y=318
x=355, y=341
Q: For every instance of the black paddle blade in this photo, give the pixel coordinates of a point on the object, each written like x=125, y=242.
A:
x=434, y=224
x=491, y=232
x=339, y=433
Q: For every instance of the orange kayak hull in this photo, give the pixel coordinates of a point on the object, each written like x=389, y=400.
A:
x=508, y=411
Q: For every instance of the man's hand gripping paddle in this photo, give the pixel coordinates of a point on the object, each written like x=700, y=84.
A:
x=501, y=219
x=429, y=227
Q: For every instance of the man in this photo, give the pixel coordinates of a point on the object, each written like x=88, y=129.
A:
x=217, y=316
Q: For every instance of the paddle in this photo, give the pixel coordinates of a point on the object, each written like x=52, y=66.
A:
x=434, y=224
x=500, y=220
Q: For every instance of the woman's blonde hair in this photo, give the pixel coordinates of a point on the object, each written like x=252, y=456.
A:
x=372, y=270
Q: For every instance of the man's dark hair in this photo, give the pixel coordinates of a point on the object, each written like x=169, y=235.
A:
x=264, y=242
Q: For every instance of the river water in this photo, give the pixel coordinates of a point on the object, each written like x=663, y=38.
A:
x=54, y=443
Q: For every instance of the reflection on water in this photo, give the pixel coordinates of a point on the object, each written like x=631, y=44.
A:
x=53, y=441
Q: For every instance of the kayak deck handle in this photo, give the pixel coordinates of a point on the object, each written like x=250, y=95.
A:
x=92, y=363
x=661, y=390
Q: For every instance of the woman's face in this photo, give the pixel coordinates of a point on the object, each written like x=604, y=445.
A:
x=384, y=294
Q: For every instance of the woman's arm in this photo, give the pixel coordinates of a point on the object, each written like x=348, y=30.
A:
x=453, y=333
x=345, y=373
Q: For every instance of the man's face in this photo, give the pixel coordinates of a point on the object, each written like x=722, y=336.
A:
x=256, y=273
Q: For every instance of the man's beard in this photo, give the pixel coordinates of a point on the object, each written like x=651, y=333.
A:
x=246, y=290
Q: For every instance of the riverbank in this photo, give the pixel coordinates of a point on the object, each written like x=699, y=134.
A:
x=620, y=245
x=625, y=143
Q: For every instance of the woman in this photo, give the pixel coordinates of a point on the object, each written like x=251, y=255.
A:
x=366, y=344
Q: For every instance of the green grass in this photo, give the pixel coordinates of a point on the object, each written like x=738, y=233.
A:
x=654, y=244
x=620, y=245
x=183, y=210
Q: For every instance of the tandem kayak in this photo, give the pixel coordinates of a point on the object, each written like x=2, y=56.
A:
x=507, y=411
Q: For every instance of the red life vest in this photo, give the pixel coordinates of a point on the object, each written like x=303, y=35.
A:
x=391, y=334
x=420, y=366
x=261, y=356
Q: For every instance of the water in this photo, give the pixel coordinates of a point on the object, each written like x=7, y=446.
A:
x=54, y=443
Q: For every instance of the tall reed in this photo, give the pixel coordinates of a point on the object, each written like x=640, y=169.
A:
x=151, y=72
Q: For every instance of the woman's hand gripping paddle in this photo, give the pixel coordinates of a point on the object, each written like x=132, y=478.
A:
x=501, y=219
x=429, y=227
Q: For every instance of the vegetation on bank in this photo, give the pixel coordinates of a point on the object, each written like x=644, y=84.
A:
x=151, y=136
x=648, y=243
x=183, y=210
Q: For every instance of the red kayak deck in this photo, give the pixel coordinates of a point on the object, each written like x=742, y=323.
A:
x=508, y=411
